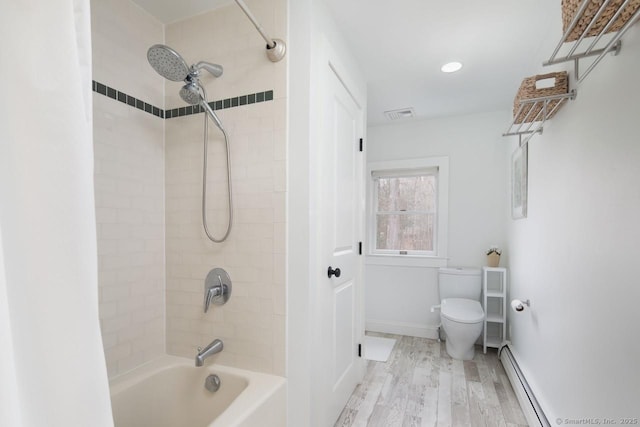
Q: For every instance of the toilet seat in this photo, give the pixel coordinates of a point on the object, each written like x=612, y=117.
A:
x=462, y=310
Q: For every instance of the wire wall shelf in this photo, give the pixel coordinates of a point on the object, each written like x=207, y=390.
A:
x=593, y=33
x=594, y=30
x=536, y=111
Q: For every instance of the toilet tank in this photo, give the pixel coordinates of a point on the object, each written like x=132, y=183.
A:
x=460, y=282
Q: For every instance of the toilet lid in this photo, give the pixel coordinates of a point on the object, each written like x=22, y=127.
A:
x=462, y=310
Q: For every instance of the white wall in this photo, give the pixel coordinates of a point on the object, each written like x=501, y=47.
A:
x=252, y=323
x=129, y=186
x=576, y=254
x=298, y=214
x=398, y=298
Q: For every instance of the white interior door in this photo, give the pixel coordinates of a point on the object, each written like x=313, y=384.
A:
x=341, y=165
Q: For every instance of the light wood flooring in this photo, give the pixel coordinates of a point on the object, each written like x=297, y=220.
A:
x=420, y=385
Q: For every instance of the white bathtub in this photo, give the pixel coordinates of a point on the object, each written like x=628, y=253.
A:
x=169, y=392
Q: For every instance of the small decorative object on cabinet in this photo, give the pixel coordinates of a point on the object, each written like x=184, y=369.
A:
x=493, y=256
x=494, y=289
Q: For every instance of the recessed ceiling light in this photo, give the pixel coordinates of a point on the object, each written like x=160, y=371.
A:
x=451, y=67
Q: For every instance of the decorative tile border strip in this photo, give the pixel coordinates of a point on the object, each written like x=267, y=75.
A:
x=182, y=111
x=221, y=104
x=127, y=99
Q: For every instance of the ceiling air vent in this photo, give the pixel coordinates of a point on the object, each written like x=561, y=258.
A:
x=403, y=113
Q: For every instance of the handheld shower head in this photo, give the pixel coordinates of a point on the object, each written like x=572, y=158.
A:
x=190, y=93
x=167, y=62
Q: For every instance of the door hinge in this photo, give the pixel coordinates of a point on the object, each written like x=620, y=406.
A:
x=359, y=350
x=359, y=248
x=361, y=144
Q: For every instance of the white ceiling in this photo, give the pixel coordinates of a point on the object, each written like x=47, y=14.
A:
x=168, y=11
x=401, y=45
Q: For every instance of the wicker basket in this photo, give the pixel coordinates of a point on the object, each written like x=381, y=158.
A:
x=528, y=91
x=570, y=8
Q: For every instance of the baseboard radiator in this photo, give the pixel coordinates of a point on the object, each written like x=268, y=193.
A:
x=530, y=407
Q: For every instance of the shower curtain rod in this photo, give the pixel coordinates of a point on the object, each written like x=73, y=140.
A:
x=276, y=48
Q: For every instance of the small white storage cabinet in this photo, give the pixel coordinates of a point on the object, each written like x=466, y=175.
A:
x=494, y=291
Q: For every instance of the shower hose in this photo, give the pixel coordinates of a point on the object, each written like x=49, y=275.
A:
x=204, y=182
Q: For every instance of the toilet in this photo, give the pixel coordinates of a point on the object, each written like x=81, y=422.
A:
x=461, y=314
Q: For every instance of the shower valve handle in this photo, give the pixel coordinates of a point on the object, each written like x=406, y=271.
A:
x=332, y=272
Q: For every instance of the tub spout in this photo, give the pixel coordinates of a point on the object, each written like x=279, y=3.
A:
x=214, y=347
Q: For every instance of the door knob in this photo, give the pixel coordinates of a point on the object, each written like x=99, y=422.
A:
x=332, y=272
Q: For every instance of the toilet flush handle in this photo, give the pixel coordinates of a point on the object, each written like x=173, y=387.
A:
x=435, y=307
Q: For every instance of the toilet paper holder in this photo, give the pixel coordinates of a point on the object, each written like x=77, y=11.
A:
x=518, y=305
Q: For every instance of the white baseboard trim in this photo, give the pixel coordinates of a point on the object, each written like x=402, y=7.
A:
x=402, y=328
x=530, y=407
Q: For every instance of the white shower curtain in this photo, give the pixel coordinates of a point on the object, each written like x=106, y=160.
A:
x=52, y=368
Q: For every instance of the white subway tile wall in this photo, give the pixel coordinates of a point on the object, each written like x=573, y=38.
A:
x=121, y=33
x=129, y=186
x=134, y=169
x=252, y=323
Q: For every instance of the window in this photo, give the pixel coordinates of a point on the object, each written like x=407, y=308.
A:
x=408, y=207
x=405, y=205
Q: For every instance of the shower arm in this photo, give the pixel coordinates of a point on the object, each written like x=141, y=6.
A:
x=215, y=69
x=276, y=48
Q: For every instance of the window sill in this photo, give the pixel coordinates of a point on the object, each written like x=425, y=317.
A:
x=406, y=261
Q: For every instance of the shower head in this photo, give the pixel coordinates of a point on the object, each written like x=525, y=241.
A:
x=167, y=62
x=170, y=65
x=190, y=93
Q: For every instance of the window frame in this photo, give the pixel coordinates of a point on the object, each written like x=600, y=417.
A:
x=435, y=258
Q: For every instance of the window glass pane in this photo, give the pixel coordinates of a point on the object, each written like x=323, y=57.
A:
x=407, y=194
x=384, y=195
x=405, y=232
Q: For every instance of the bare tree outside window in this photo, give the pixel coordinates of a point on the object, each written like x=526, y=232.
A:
x=406, y=213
